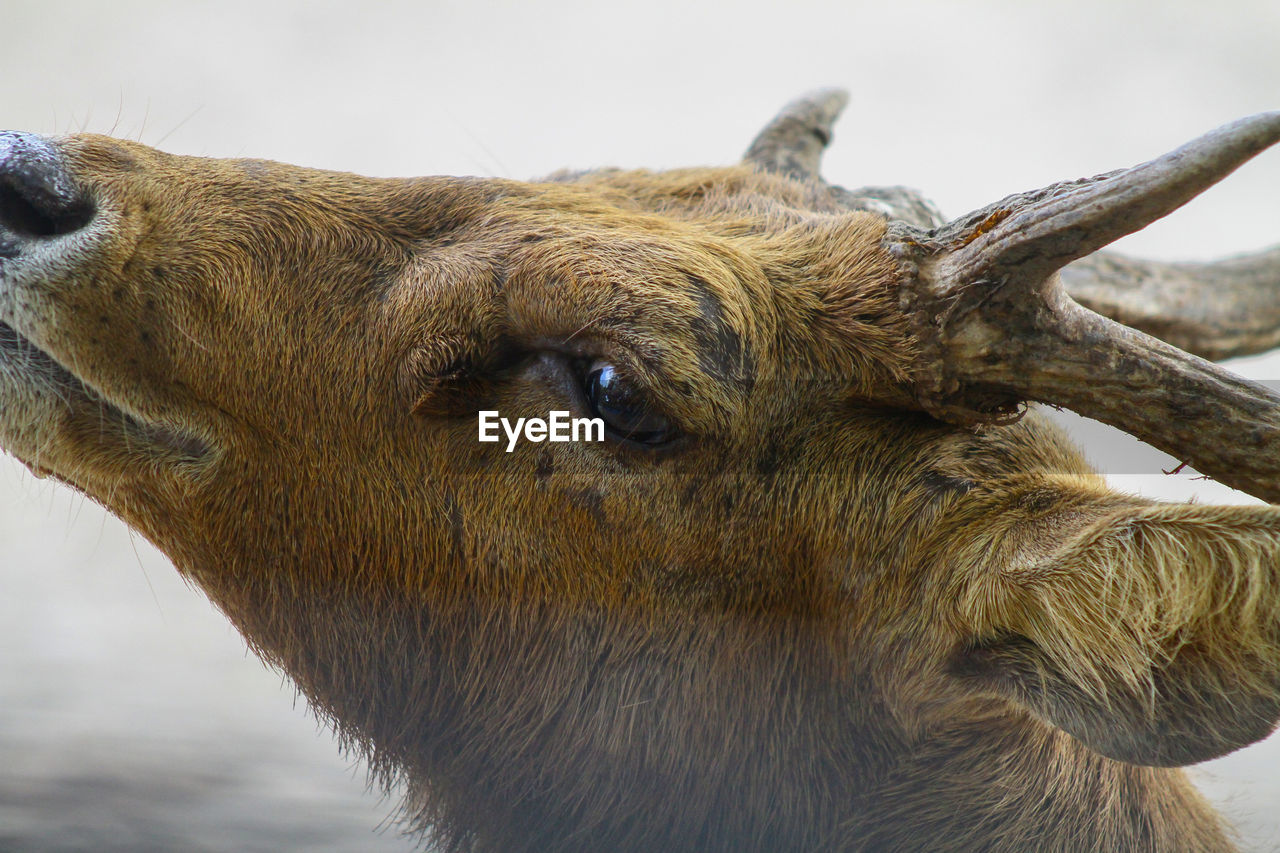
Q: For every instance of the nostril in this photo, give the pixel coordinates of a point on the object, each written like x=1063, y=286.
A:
x=24, y=218
x=38, y=197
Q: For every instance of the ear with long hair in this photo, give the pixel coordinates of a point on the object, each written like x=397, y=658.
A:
x=1152, y=635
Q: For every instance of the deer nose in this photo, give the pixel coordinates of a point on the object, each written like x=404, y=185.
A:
x=39, y=199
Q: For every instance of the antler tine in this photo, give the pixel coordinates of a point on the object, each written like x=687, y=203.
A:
x=1040, y=232
x=793, y=142
x=1216, y=310
x=995, y=328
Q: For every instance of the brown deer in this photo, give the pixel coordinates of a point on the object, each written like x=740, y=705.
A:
x=827, y=584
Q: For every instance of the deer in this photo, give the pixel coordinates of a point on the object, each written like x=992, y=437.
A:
x=832, y=580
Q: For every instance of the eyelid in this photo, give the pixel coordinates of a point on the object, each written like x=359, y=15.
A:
x=580, y=353
x=566, y=371
x=577, y=346
x=686, y=402
x=620, y=354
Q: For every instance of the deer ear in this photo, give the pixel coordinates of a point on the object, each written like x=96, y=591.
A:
x=1153, y=637
x=1188, y=712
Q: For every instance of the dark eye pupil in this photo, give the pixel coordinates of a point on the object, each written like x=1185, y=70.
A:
x=622, y=407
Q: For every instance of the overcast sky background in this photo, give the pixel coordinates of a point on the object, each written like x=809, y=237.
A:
x=130, y=714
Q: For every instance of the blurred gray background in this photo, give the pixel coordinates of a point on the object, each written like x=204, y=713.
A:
x=131, y=716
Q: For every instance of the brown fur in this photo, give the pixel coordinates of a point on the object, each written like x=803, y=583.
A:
x=817, y=621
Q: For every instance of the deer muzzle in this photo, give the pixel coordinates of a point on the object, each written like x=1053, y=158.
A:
x=53, y=235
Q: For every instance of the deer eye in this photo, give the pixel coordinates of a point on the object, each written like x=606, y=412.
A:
x=624, y=408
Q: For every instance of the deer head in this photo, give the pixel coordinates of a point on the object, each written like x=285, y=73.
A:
x=822, y=585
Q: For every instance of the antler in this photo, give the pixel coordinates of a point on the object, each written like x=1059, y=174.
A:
x=1215, y=310
x=793, y=142
x=996, y=328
